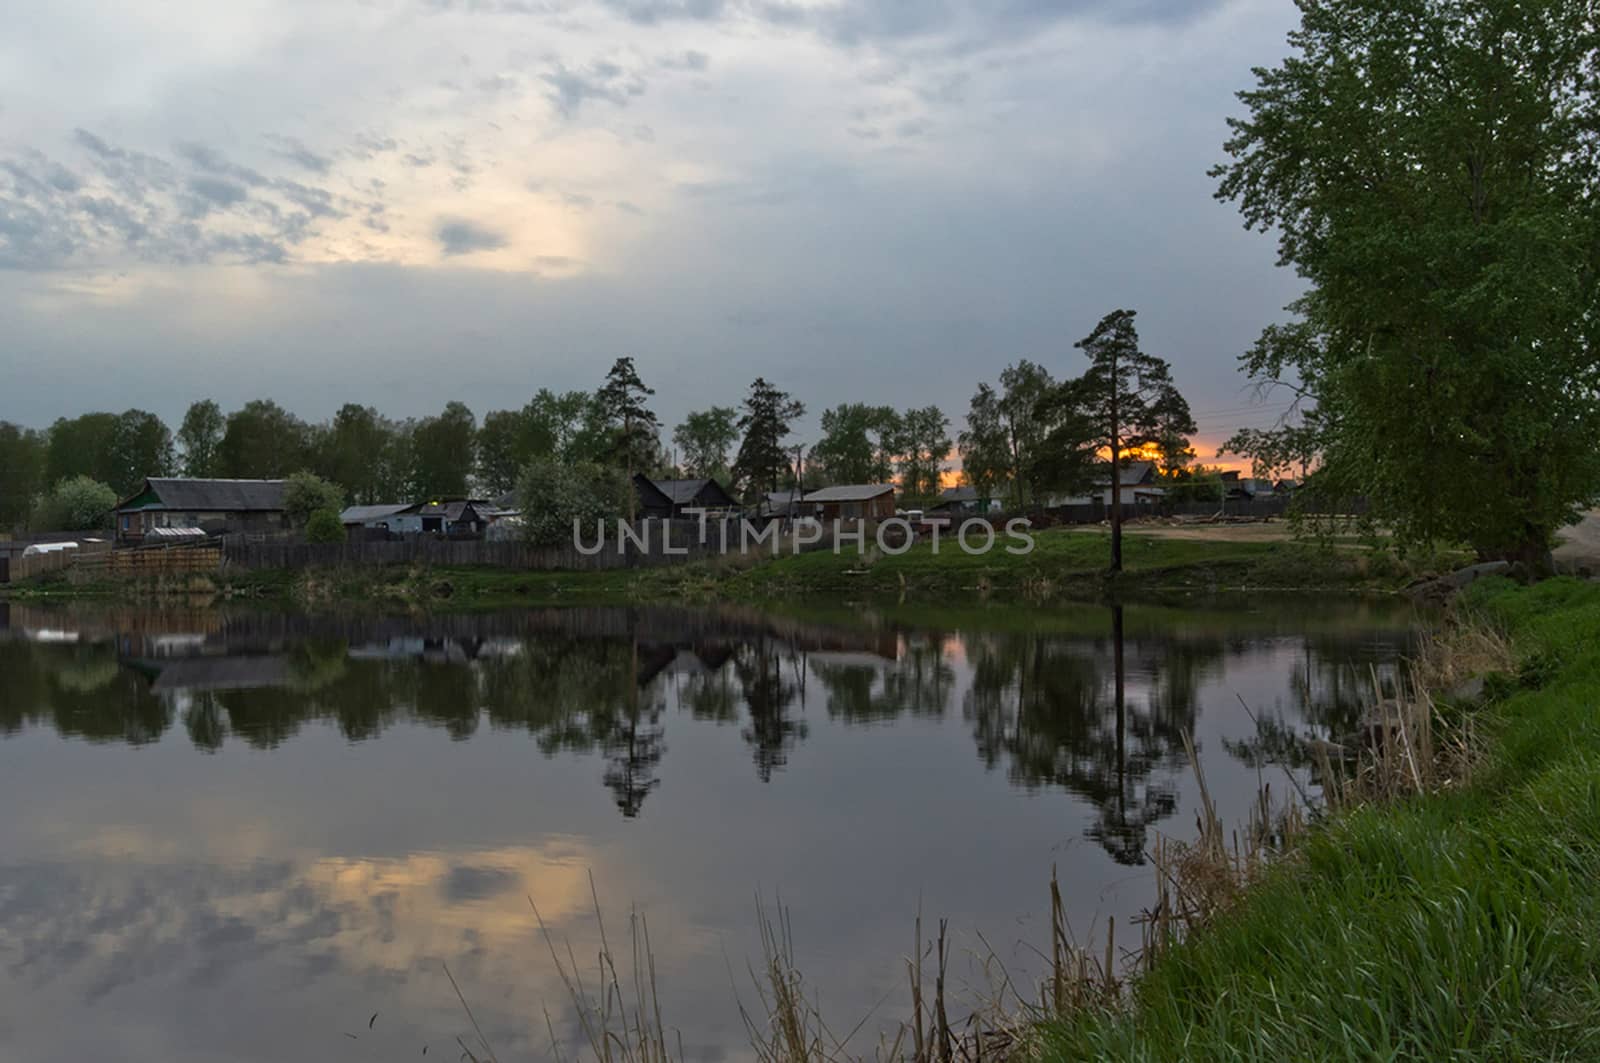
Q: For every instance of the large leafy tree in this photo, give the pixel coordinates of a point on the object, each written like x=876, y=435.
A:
x=78, y=503
x=925, y=444
x=442, y=453
x=768, y=415
x=262, y=441
x=1125, y=401
x=985, y=458
x=200, y=437
x=1432, y=169
x=858, y=443
x=1006, y=429
x=22, y=472
x=115, y=449
x=622, y=402
x=306, y=493
x=500, y=457
x=705, y=437
x=352, y=452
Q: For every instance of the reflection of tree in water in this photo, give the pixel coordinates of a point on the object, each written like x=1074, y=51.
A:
x=581, y=695
x=80, y=690
x=1331, y=688
x=917, y=682
x=769, y=678
x=1055, y=712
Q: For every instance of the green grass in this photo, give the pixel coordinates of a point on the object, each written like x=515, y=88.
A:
x=1459, y=926
x=1069, y=564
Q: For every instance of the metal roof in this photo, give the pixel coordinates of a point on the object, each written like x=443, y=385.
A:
x=850, y=493
x=227, y=496
x=362, y=514
x=681, y=491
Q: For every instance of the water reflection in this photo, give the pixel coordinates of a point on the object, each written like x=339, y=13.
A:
x=1088, y=707
x=237, y=834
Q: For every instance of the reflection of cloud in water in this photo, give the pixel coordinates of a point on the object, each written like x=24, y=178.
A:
x=78, y=932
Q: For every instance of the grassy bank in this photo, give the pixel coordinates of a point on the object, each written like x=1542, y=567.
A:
x=1067, y=564
x=1461, y=925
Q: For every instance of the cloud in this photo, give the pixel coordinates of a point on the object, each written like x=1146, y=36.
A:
x=118, y=203
x=971, y=24
x=602, y=79
x=458, y=237
x=296, y=152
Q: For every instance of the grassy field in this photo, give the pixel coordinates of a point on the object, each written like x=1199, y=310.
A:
x=1068, y=564
x=1464, y=925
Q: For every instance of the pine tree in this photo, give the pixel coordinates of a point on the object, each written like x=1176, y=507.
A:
x=634, y=425
x=762, y=458
x=1127, y=401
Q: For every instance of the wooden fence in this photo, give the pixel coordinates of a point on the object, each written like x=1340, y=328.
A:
x=649, y=542
x=147, y=563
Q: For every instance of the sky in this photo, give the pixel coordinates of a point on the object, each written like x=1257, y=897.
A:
x=405, y=202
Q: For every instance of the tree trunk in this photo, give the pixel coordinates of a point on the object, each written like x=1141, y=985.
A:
x=1531, y=559
x=1116, y=475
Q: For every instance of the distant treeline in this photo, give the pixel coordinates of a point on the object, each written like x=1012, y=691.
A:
x=1034, y=434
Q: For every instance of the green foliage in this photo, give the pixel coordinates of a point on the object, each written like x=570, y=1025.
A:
x=1002, y=446
x=1452, y=926
x=116, y=449
x=554, y=494
x=924, y=444
x=306, y=494
x=1199, y=484
x=762, y=460
x=200, y=438
x=630, y=424
x=1124, y=401
x=1432, y=170
x=858, y=444
x=357, y=450
x=705, y=437
x=23, y=454
x=324, y=526
x=262, y=441
x=76, y=504
x=442, y=453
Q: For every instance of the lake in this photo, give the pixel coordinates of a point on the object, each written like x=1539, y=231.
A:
x=255, y=835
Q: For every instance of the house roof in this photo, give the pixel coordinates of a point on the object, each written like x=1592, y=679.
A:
x=231, y=496
x=649, y=493
x=1135, y=473
x=965, y=493
x=682, y=492
x=362, y=514
x=453, y=510
x=850, y=493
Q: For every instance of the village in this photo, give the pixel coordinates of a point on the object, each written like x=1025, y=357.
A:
x=843, y=531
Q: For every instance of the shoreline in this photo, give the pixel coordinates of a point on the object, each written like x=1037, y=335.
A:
x=1455, y=923
x=1066, y=565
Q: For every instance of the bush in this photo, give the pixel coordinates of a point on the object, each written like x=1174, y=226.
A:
x=554, y=494
x=78, y=504
x=305, y=494
x=324, y=526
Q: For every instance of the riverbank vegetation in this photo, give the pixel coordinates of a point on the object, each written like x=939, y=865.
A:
x=1067, y=564
x=1455, y=924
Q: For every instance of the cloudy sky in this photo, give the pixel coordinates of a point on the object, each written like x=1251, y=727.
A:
x=401, y=202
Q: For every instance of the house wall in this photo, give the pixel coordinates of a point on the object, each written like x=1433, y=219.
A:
x=133, y=524
x=880, y=508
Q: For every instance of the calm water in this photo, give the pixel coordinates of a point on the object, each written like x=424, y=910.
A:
x=240, y=835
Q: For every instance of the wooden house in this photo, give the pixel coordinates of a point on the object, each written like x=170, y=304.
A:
x=214, y=506
x=671, y=498
x=853, y=502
